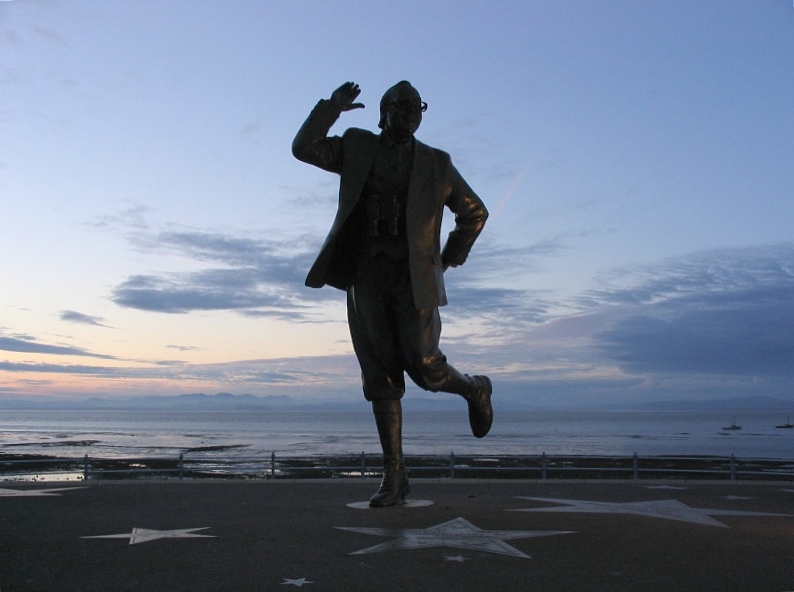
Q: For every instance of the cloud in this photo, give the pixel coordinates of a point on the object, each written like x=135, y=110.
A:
x=718, y=271
x=494, y=264
x=333, y=376
x=485, y=290
x=57, y=368
x=135, y=217
x=711, y=324
x=184, y=347
x=207, y=290
x=728, y=312
x=27, y=345
x=256, y=277
x=72, y=316
x=503, y=308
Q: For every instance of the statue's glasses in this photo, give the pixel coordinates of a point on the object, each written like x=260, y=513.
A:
x=408, y=106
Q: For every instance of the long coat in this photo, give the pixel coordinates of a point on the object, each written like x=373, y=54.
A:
x=434, y=184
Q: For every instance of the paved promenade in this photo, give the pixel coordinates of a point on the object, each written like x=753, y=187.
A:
x=461, y=536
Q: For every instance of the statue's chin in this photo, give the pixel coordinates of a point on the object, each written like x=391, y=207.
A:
x=400, y=135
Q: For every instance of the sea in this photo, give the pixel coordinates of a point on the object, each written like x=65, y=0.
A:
x=238, y=434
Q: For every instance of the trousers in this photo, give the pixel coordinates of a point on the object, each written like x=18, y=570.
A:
x=391, y=337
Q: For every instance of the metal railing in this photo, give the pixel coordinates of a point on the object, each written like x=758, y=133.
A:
x=365, y=466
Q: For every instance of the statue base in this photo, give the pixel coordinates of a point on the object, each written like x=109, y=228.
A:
x=408, y=504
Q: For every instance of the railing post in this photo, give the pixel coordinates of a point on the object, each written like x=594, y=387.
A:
x=733, y=468
x=85, y=468
x=272, y=465
x=363, y=465
x=452, y=465
x=636, y=467
x=181, y=465
x=543, y=466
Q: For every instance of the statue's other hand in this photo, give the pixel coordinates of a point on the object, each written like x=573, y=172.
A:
x=344, y=96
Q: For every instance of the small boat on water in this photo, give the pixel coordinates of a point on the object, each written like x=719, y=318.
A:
x=786, y=426
x=733, y=427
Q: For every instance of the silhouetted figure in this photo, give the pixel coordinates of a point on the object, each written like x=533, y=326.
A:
x=384, y=250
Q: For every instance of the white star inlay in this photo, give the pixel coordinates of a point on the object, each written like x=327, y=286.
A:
x=34, y=492
x=666, y=509
x=299, y=582
x=144, y=535
x=458, y=533
x=456, y=558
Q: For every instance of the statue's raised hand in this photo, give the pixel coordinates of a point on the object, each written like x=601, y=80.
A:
x=344, y=96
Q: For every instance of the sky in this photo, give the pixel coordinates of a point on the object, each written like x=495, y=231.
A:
x=637, y=159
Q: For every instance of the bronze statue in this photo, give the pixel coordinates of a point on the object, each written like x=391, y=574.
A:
x=384, y=250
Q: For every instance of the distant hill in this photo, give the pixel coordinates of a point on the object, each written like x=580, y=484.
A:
x=228, y=401
x=760, y=402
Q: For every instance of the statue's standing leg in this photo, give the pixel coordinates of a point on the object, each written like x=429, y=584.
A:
x=394, y=486
x=383, y=382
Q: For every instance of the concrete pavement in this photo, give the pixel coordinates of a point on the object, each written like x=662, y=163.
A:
x=461, y=535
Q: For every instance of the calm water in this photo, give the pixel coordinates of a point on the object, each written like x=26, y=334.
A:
x=234, y=434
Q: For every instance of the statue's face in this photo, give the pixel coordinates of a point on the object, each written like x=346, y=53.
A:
x=403, y=113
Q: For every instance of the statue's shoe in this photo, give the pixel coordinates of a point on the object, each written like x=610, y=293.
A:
x=393, y=489
x=480, y=410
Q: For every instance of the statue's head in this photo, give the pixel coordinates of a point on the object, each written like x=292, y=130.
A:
x=401, y=111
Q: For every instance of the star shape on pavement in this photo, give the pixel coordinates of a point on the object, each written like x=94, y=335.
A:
x=458, y=533
x=299, y=582
x=144, y=535
x=34, y=492
x=456, y=558
x=669, y=509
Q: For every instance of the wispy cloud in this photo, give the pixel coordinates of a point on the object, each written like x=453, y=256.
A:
x=134, y=217
x=501, y=308
x=72, y=316
x=29, y=345
x=183, y=348
x=62, y=369
x=334, y=376
x=253, y=276
x=235, y=289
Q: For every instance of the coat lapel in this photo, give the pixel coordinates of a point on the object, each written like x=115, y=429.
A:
x=358, y=165
x=421, y=172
